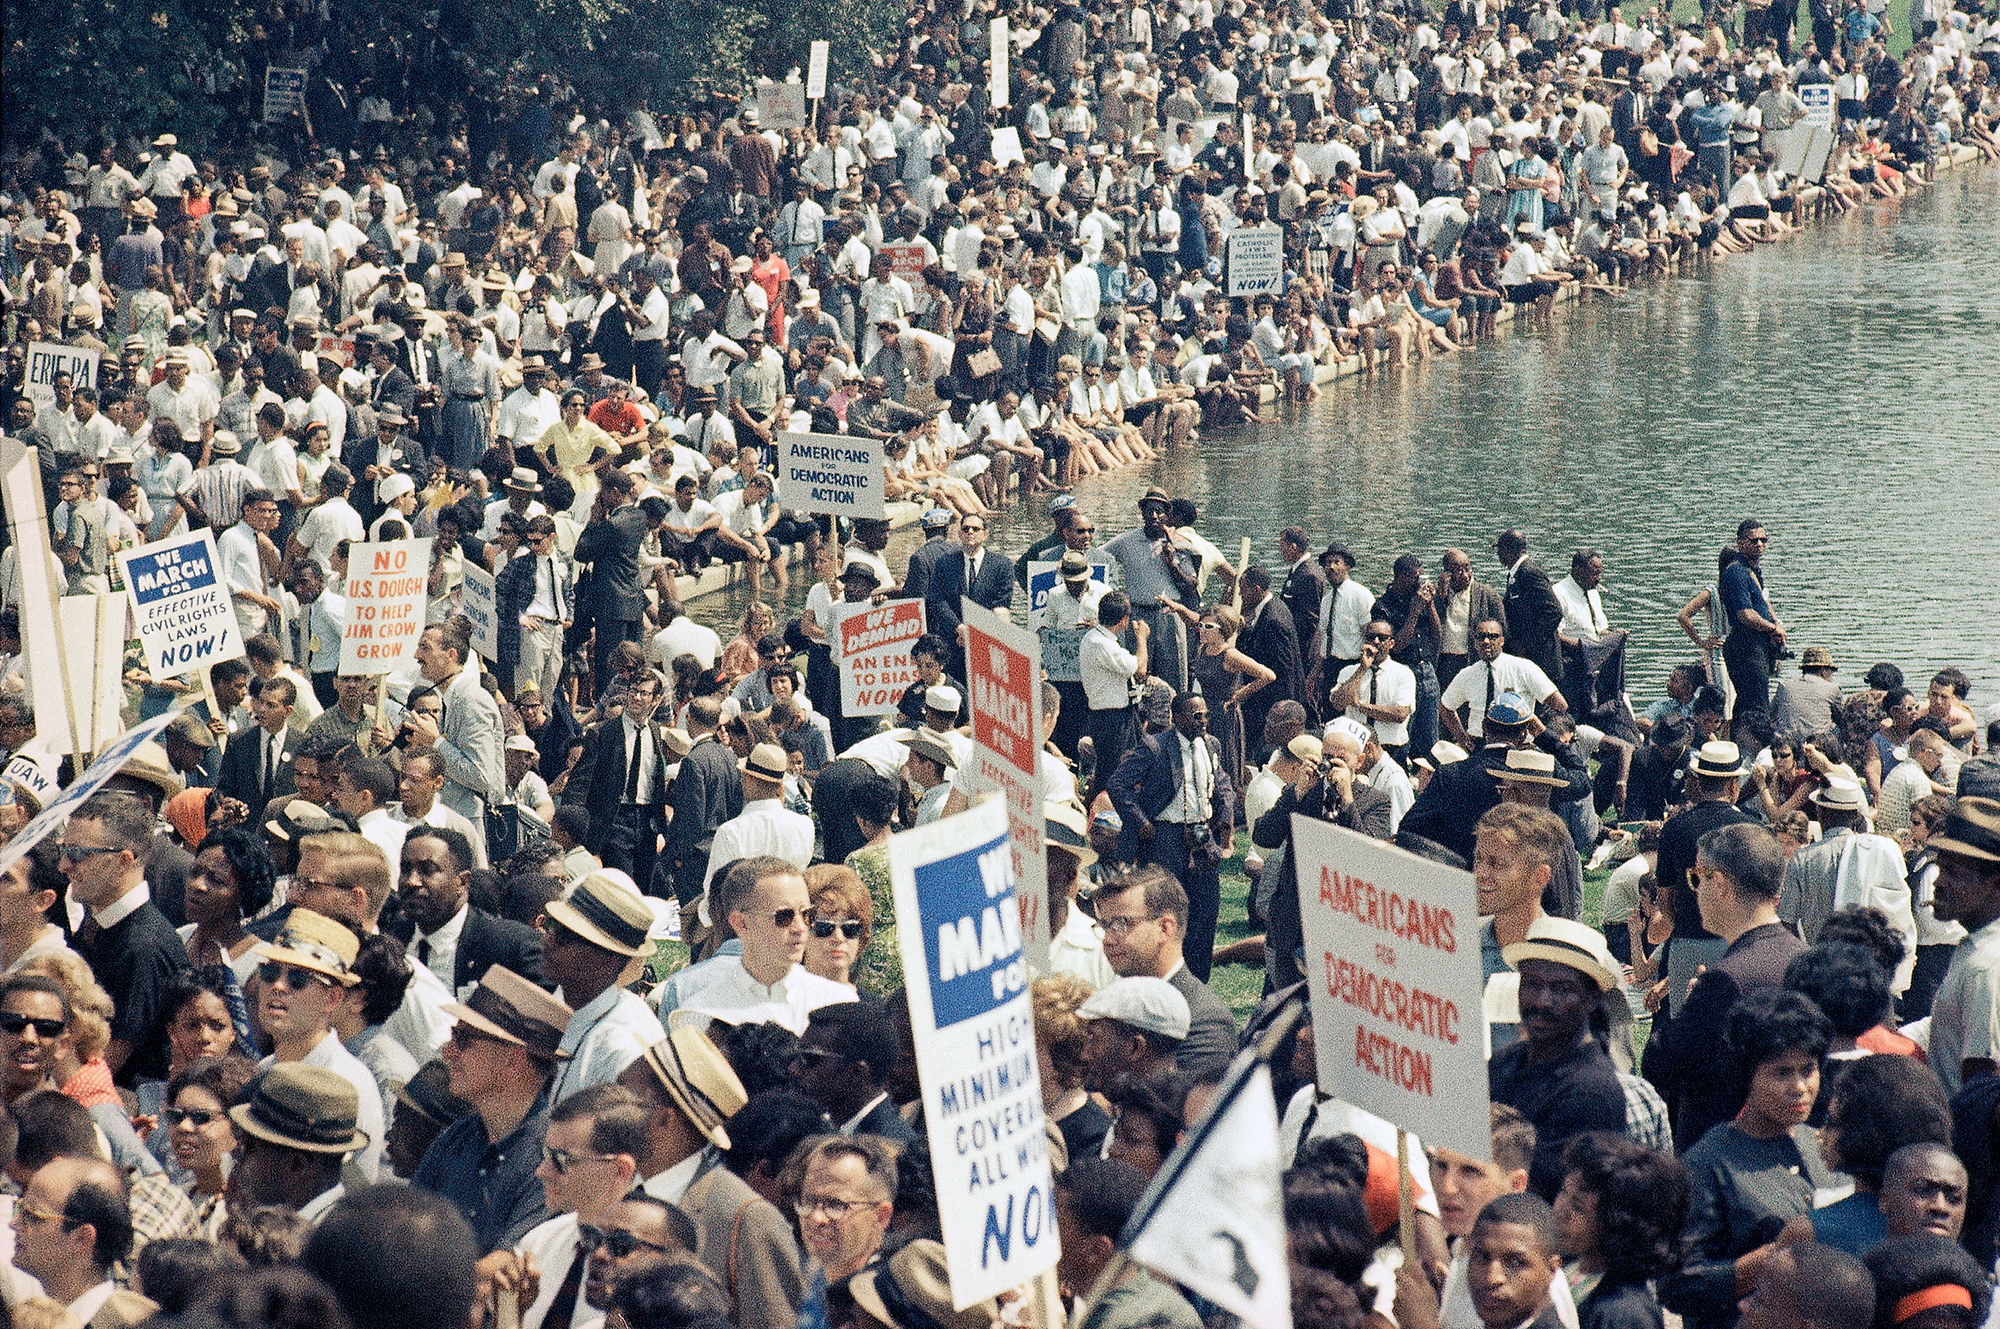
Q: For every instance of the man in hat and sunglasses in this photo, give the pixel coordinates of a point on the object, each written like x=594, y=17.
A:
x=590, y=938
x=302, y=986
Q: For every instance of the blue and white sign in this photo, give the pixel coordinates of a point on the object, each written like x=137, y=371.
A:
x=181, y=604
x=966, y=974
x=98, y=774
x=1818, y=101
x=1042, y=579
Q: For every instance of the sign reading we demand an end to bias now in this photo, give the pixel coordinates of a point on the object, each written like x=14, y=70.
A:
x=967, y=980
x=1393, y=969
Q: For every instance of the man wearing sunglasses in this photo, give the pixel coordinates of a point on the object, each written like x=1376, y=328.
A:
x=767, y=906
x=843, y=1063
x=33, y=1016
x=71, y=1225
x=302, y=988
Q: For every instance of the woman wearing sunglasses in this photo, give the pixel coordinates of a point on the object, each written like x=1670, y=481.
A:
x=841, y=922
x=199, y=1132
x=73, y=1056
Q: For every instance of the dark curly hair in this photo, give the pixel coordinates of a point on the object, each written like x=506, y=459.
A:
x=760, y=1054
x=1845, y=981
x=1770, y=1023
x=1642, y=1203
x=1880, y=1104
x=1328, y=1225
x=1869, y=927
x=1911, y=1264
x=250, y=861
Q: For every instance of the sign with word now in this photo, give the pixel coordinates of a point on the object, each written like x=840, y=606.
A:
x=906, y=260
x=1392, y=965
x=1256, y=259
x=872, y=646
x=388, y=588
x=181, y=604
x=836, y=473
x=967, y=982
x=1003, y=670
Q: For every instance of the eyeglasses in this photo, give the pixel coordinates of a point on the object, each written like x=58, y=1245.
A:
x=1490, y=636
x=464, y=1036
x=18, y=1025
x=76, y=853
x=784, y=918
x=196, y=1117
x=850, y=928
x=807, y=1205
x=1117, y=925
x=618, y=1243
x=296, y=978
x=35, y=1213
x=1083, y=530
x=562, y=1160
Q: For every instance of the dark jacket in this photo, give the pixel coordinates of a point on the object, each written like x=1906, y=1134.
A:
x=137, y=960
x=707, y=792
x=1461, y=793
x=513, y=592
x=600, y=775
x=611, y=547
x=924, y=560
x=1368, y=813
x=486, y=941
x=1484, y=603
x=240, y=777
x=395, y=386
x=1149, y=777
x=994, y=588
x=1272, y=641
x=1533, y=614
x=1304, y=585
x=1211, y=1041
x=1577, y=1092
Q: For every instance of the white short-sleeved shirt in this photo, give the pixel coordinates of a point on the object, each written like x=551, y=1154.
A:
x=1510, y=674
x=1965, y=1017
x=1394, y=684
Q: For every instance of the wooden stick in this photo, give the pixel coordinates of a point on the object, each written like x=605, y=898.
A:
x=1406, y=1206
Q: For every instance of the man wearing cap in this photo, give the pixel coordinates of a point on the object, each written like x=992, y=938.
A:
x=518, y=495
x=589, y=938
x=764, y=827
x=1155, y=568
x=501, y=1054
x=297, y=1129
x=186, y=399
x=303, y=979
x=928, y=771
x=1067, y=614
x=1849, y=866
x=1558, y=1076
x=919, y=573
x=1711, y=784
x=526, y=413
x=1133, y=1030
x=623, y=773
x=690, y=1093
x=1804, y=707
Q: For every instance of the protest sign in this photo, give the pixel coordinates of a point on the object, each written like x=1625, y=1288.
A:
x=32, y=776
x=781, y=106
x=59, y=688
x=338, y=349
x=481, y=606
x=1392, y=965
x=1007, y=147
x=872, y=644
x=1256, y=258
x=181, y=605
x=46, y=359
x=967, y=983
x=284, y=93
x=997, y=77
x=1249, y=131
x=1818, y=100
x=816, y=70
x=387, y=590
x=1003, y=671
x=837, y=473
x=1042, y=579
x=94, y=777
x=905, y=260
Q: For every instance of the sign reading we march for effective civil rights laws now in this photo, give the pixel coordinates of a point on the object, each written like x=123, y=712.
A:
x=181, y=604
x=967, y=981
x=1392, y=966
x=836, y=473
x=388, y=587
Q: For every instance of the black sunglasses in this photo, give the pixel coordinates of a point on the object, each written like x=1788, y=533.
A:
x=192, y=1116
x=296, y=978
x=849, y=928
x=618, y=1242
x=784, y=918
x=18, y=1024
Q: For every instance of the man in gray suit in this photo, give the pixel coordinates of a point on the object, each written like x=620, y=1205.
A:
x=1144, y=915
x=610, y=544
x=469, y=738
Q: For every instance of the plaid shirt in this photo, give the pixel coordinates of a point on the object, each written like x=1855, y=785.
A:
x=1645, y=1114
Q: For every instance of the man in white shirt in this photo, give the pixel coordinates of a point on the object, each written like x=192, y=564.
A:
x=1492, y=673
x=1379, y=691
x=1344, y=609
x=682, y=636
x=765, y=827
x=366, y=791
x=765, y=901
x=589, y=937
x=243, y=568
x=1106, y=670
x=68, y=1224
x=1583, y=610
x=418, y=787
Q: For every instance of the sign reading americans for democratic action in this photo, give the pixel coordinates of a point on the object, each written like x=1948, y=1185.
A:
x=836, y=473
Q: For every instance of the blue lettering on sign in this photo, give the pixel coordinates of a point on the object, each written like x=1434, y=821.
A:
x=171, y=572
x=971, y=928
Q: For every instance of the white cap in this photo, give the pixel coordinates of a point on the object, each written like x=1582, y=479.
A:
x=1151, y=1004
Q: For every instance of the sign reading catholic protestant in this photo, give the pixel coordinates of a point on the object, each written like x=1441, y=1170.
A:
x=837, y=473
x=181, y=604
x=967, y=980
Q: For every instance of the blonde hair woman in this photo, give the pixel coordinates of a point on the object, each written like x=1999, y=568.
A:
x=1060, y=1039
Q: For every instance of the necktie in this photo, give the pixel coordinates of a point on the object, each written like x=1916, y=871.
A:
x=424, y=951
x=270, y=746
x=563, y=1309
x=555, y=588
x=1374, y=677
x=1489, y=698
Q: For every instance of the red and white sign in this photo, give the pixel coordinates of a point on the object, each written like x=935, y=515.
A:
x=905, y=260
x=388, y=589
x=1392, y=963
x=874, y=644
x=1003, y=670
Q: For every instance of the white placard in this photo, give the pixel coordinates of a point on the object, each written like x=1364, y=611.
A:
x=46, y=359
x=109, y=762
x=1256, y=260
x=816, y=70
x=1007, y=146
x=387, y=592
x=1393, y=969
x=872, y=643
x=967, y=982
x=181, y=604
x=837, y=473
x=1003, y=671
x=481, y=606
x=58, y=678
x=781, y=105
x=1818, y=99
x=1249, y=148
x=997, y=79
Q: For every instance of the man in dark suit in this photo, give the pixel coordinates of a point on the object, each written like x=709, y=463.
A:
x=1179, y=807
x=1144, y=914
x=1481, y=602
x=257, y=764
x=456, y=941
x=1462, y=791
x=392, y=381
x=1270, y=638
x=610, y=544
x=1304, y=585
x=372, y=460
x=535, y=597
x=1532, y=611
x=707, y=791
x=925, y=558
x=624, y=778
x=970, y=570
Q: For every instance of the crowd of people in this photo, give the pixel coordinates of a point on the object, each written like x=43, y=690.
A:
x=342, y=1003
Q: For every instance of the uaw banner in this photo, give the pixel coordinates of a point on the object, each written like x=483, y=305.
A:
x=181, y=604
x=1004, y=673
x=872, y=644
x=1392, y=965
x=388, y=588
x=967, y=981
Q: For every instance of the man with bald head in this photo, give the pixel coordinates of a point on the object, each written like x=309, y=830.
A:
x=71, y=1226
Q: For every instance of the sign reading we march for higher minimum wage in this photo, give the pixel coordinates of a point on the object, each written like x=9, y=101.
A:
x=181, y=604
x=387, y=590
x=967, y=982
